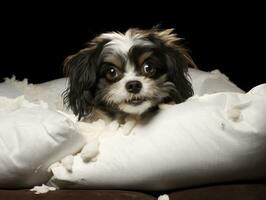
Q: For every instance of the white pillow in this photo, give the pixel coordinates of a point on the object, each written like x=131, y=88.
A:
x=32, y=137
x=209, y=139
x=211, y=82
x=50, y=92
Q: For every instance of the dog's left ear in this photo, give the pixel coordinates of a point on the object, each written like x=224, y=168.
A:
x=81, y=69
x=178, y=61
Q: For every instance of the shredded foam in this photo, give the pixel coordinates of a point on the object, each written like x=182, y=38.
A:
x=163, y=197
x=90, y=151
x=9, y=105
x=42, y=189
x=37, y=93
x=67, y=162
x=98, y=130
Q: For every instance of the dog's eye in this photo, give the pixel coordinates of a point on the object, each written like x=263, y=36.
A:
x=112, y=73
x=148, y=69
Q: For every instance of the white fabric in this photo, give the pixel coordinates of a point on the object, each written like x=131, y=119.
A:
x=211, y=82
x=203, y=140
x=208, y=139
x=32, y=137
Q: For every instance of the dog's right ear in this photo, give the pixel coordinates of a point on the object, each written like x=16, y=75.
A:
x=81, y=69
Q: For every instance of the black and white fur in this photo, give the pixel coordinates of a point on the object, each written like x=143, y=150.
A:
x=119, y=75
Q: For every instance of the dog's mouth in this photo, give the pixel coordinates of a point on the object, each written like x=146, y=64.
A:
x=135, y=101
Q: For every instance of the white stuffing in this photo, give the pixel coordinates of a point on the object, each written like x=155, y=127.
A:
x=163, y=197
x=10, y=105
x=92, y=132
x=54, y=165
x=21, y=85
x=90, y=151
x=42, y=189
x=98, y=130
x=49, y=92
x=67, y=162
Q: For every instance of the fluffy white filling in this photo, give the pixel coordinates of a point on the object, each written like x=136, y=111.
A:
x=42, y=189
x=90, y=151
x=163, y=197
x=67, y=162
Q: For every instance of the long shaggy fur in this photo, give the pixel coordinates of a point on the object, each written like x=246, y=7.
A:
x=90, y=92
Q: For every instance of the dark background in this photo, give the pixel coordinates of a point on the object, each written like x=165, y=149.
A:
x=37, y=36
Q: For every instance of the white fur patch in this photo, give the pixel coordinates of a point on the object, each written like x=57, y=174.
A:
x=122, y=43
x=119, y=42
x=139, y=109
x=118, y=92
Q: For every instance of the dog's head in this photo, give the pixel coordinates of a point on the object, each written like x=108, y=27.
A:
x=128, y=73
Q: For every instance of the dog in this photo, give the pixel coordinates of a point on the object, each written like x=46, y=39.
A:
x=126, y=74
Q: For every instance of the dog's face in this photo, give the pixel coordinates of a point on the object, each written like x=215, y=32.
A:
x=129, y=73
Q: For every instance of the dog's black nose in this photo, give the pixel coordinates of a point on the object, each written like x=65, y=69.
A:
x=133, y=86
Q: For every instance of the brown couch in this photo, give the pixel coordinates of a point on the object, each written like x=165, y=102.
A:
x=247, y=191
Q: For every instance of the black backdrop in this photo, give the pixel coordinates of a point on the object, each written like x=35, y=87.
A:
x=36, y=37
